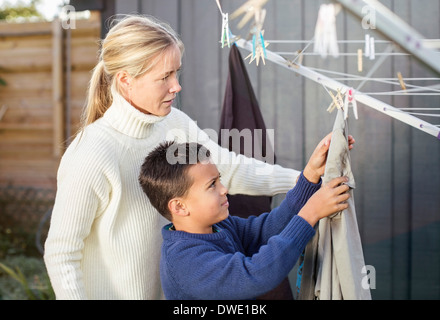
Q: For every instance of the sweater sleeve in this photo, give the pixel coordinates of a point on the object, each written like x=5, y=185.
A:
x=240, y=174
x=82, y=192
x=256, y=231
x=201, y=271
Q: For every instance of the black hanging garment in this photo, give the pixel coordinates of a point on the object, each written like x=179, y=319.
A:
x=242, y=112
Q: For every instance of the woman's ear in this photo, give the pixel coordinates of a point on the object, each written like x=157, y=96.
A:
x=123, y=81
x=177, y=207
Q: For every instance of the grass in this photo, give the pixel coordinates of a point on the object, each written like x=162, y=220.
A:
x=24, y=278
x=23, y=274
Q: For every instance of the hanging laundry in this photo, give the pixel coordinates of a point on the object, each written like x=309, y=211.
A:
x=241, y=111
x=326, y=41
x=333, y=260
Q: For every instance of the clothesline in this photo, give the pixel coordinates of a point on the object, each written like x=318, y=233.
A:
x=353, y=77
x=359, y=96
x=431, y=42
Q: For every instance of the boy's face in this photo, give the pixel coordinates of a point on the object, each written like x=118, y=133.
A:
x=206, y=200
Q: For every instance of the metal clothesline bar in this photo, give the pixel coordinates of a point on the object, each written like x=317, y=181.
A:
x=335, y=85
x=338, y=41
x=397, y=30
x=430, y=43
x=342, y=53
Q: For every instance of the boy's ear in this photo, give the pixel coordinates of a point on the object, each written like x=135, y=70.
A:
x=177, y=207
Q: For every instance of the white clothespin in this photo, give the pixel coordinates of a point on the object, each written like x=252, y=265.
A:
x=370, y=51
x=326, y=41
x=226, y=32
x=349, y=99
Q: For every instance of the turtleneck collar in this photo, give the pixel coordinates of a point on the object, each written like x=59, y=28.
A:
x=127, y=119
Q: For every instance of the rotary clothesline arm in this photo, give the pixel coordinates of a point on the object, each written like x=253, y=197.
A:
x=359, y=96
x=397, y=30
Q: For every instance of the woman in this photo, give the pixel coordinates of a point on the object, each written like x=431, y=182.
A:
x=104, y=240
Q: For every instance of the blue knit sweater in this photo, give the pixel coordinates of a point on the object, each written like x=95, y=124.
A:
x=243, y=259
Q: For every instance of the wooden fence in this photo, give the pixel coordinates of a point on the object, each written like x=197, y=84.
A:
x=46, y=69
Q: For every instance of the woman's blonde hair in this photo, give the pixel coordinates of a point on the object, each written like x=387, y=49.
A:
x=132, y=44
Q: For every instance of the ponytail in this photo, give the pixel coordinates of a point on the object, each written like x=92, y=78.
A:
x=99, y=96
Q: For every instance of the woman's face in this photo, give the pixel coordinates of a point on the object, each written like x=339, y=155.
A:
x=154, y=92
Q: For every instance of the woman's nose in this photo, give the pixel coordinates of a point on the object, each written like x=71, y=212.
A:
x=176, y=87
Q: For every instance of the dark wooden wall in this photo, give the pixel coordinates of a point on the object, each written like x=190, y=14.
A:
x=396, y=167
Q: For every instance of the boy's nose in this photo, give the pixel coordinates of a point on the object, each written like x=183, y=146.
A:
x=223, y=189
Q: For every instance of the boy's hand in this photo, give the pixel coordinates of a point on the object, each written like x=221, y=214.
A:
x=331, y=198
x=316, y=165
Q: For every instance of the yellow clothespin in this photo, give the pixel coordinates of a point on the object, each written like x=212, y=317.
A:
x=249, y=8
x=292, y=64
x=337, y=101
x=349, y=99
x=402, y=83
x=360, y=61
x=296, y=62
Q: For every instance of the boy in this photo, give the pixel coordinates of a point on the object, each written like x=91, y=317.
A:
x=207, y=254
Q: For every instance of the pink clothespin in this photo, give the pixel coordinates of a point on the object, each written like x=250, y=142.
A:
x=349, y=99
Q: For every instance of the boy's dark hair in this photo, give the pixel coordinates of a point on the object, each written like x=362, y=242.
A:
x=164, y=176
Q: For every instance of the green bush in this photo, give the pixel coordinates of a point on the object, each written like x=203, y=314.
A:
x=24, y=278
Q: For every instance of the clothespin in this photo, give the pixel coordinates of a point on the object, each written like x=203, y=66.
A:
x=370, y=51
x=226, y=32
x=337, y=101
x=325, y=31
x=258, y=43
x=349, y=99
x=294, y=63
x=360, y=61
x=402, y=83
x=251, y=7
x=258, y=48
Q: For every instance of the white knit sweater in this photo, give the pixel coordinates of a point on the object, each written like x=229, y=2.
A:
x=104, y=240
